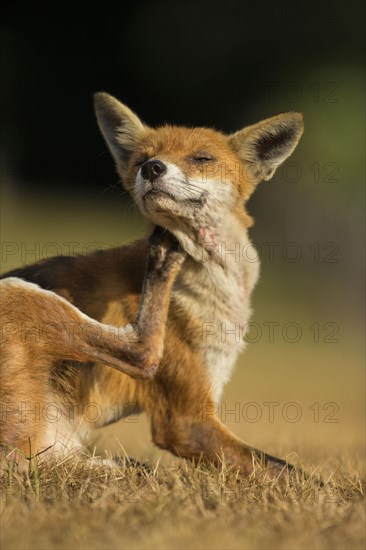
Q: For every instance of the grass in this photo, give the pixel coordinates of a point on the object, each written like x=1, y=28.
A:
x=77, y=503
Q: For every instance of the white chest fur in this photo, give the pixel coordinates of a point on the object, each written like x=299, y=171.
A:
x=218, y=296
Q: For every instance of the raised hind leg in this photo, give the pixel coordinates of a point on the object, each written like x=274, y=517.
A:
x=38, y=327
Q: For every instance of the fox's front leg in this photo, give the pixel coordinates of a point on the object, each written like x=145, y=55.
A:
x=203, y=436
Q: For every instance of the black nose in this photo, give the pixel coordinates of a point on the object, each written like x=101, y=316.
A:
x=152, y=169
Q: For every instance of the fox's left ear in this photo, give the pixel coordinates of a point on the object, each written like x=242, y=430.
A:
x=264, y=146
x=121, y=127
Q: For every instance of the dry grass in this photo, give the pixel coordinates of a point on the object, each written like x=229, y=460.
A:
x=77, y=503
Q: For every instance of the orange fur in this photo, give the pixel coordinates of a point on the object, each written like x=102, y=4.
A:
x=200, y=198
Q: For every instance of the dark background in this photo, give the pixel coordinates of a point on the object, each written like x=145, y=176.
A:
x=215, y=62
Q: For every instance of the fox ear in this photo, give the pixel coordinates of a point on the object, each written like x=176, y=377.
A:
x=120, y=127
x=264, y=146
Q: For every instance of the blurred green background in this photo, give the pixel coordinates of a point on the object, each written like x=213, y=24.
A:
x=227, y=65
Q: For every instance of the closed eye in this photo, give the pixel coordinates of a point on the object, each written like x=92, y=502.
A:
x=202, y=158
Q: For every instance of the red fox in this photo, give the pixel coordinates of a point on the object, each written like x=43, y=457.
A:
x=194, y=182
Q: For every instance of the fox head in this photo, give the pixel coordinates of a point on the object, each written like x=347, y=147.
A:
x=194, y=181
